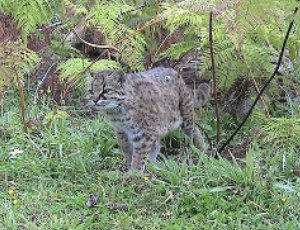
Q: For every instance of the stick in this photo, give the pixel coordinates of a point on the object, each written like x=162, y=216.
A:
x=22, y=103
x=264, y=87
x=95, y=45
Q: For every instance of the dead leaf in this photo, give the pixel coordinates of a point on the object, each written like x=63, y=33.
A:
x=92, y=201
x=117, y=207
x=14, y=153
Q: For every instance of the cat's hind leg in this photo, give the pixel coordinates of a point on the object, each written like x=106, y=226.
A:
x=193, y=132
x=188, y=120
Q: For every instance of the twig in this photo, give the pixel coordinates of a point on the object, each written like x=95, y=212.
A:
x=95, y=45
x=22, y=102
x=2, y=102
x=38, y=148
x=86, y=69
x=265, y=85
x=213, y=70
x=262, y=99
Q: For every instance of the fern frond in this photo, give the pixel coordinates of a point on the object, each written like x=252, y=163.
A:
x=178, y=49
x=131, y=48
x=133, y=51
x=73, y=68
x=16, y=59
x=250, y=52
x=29, y=14
x=106, y=18
x=177, y=16
x=105, y=64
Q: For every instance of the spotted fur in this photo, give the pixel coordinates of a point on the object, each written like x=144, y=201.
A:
x=143, y=107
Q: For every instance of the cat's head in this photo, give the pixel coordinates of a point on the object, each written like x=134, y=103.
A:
x=105, y=91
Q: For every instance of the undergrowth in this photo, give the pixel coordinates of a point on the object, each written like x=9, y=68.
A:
x=47, y=176
x=48, y=173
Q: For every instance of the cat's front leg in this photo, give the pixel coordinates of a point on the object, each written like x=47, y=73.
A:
x=125, y=146
x=155, y=150
x=141, y=147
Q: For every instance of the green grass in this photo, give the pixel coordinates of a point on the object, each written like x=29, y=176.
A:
x=47, y=176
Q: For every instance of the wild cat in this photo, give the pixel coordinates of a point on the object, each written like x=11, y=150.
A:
x=143, y=107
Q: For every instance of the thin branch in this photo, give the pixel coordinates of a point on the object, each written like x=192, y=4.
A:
x=95, y=45
x=262, y=99
x=264, y=87
x=213, y=70
x=42, y=82
x=2, y=101
x=22, y=106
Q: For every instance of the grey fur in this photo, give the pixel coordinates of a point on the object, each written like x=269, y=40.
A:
x=143, y=107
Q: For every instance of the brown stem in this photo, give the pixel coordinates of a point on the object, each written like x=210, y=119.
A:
x=262, y=99
x=213, y=70
x=22, y=106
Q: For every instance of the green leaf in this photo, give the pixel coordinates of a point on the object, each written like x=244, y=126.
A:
x=105, y=64
x=73, y=68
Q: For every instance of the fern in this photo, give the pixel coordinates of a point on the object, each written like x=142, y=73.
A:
x=243, y=34
x=29, y=14
x=105, y=64
x=177, y=16
x=132, y=26
x=106, y=17
x=176, y=50
x=17, y=60
x=133, y=51
x=250, y=52
x=74, y=68
x=118, y=33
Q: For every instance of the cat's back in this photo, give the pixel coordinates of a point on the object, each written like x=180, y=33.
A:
x=154, y=98
x=158, y=76
x=159, y=86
